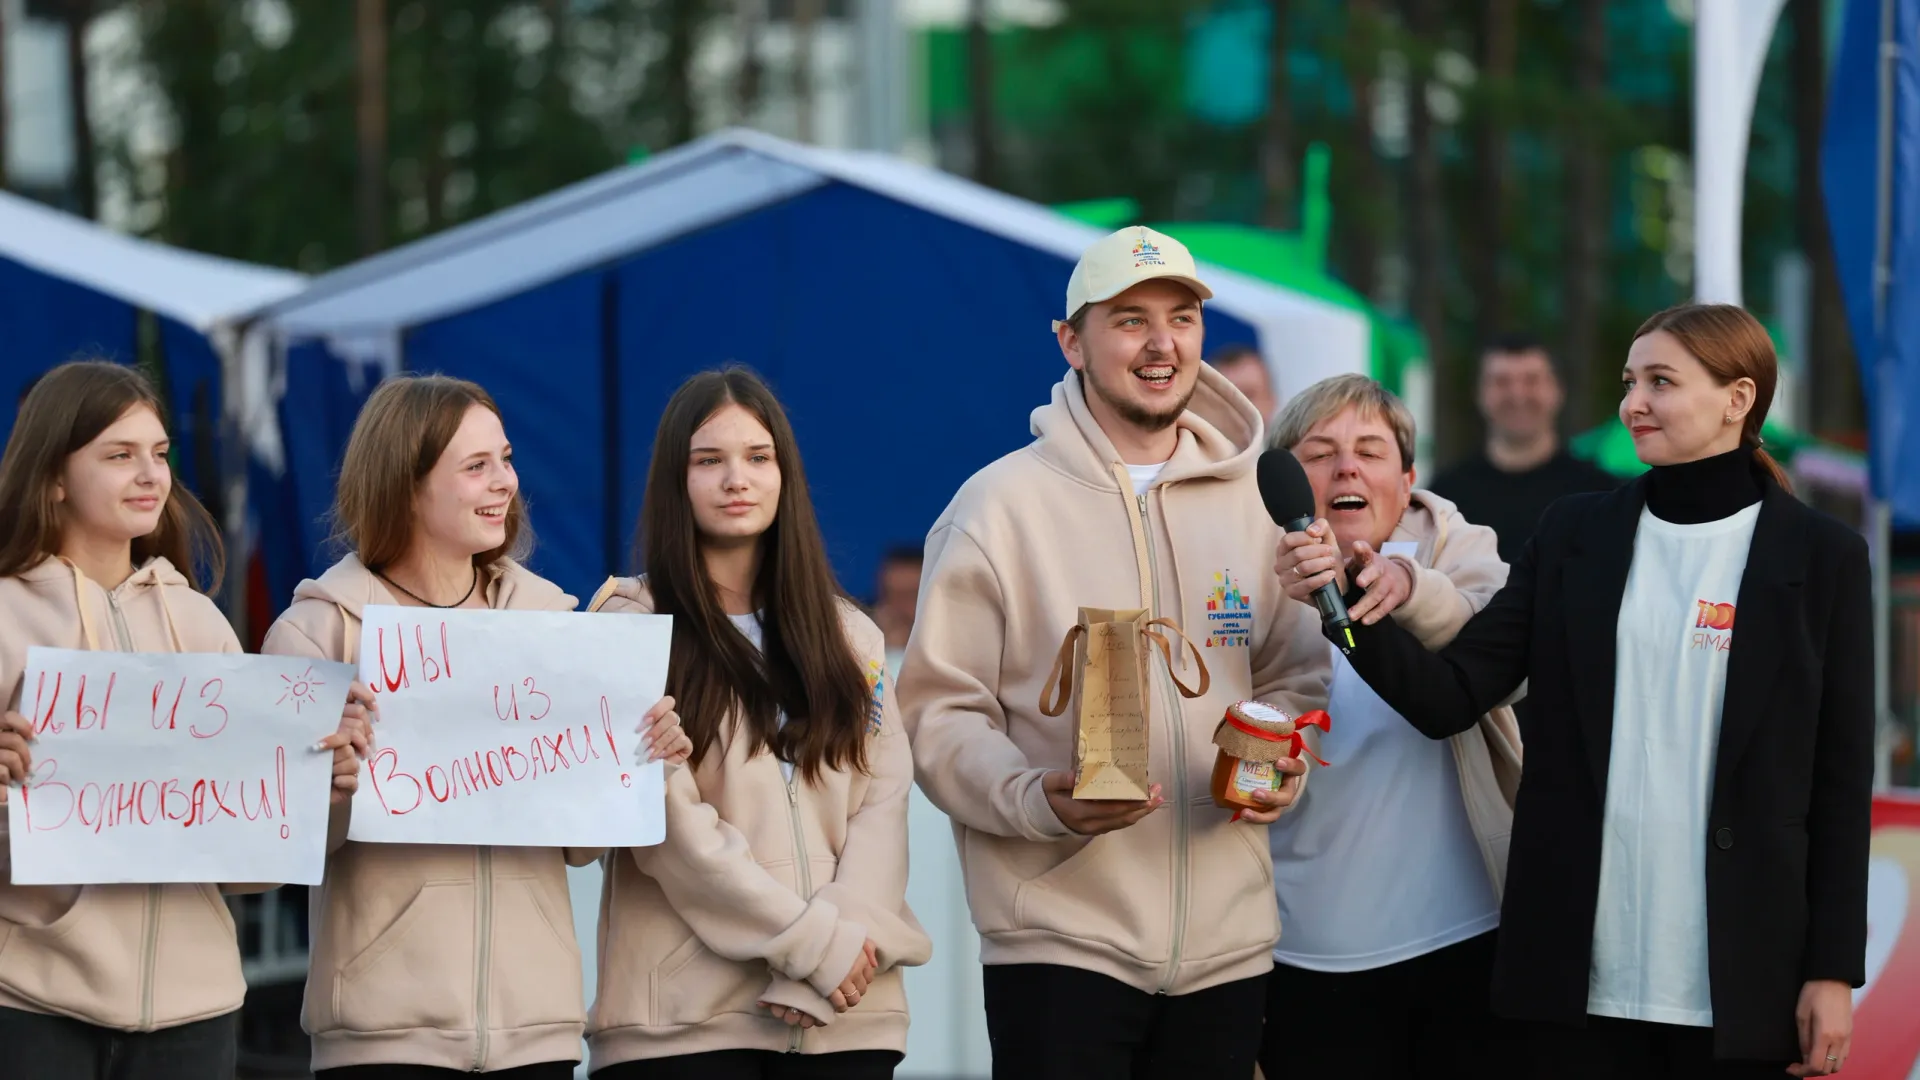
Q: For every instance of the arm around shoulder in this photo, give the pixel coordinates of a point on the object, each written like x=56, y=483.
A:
x=1466, y=573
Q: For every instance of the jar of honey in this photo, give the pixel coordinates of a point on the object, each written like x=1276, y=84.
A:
x=1252, y=737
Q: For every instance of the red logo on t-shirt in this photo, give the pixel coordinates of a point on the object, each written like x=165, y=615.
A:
x=1713, y=616
x=1708, y=618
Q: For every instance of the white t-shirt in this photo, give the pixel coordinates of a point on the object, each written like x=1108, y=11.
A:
x=1144, y=476
x=1377, y=863
x=1670, y=677
x=750, y=626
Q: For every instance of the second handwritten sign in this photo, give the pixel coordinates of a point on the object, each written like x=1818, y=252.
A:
x=514, y=728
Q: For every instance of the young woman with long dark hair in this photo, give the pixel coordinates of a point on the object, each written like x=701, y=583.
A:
x=1687, y=882
x=438, y=960
x=97, y=551
x=763, y=939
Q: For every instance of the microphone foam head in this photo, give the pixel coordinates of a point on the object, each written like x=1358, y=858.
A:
x=1284, y=486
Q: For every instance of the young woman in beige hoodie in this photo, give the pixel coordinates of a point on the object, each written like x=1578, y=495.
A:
x=132, y=982
x=438, y=960
x=763, y=939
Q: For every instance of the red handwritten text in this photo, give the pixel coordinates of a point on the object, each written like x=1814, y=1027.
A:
x=512, y=710
x=49, y=804
x=90, y=704
x=432, y=667
x=491, y=768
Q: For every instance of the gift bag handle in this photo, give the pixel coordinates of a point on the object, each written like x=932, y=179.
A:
x=1062, y=678
x=1166, y=650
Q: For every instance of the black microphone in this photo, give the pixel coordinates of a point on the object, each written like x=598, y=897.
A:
x=1288, y=494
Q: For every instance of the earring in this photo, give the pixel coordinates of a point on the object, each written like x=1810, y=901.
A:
x=1726, y=419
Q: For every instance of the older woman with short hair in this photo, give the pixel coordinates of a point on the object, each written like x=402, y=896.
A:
x=1389, y=868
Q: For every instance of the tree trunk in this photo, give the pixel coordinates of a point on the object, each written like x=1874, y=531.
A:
x=980, y=85
x=79, y=14
x=1497, y=44
x=683, y=22
x=806, y=13
x=1586, y=218
x=1361, y=233
x=3, y=95
x=1833, y=377
x=370, y=208
x=751, y=78
x=1277, y=154
x=1455, y=428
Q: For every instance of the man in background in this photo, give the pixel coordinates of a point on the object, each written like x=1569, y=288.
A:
x=895, y=592
x=1524, y=467
x=1247, y=371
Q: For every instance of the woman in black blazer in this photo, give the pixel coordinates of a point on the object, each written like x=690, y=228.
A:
x=1687, y=885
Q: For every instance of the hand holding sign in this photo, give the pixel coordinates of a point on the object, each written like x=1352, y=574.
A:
x=513, y=728
x=352, y=742
x=666, y=740
x=16, y=760
x=184, y=767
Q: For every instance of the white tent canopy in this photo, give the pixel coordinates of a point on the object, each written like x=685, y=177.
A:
x=362, y=310
x=197, y=290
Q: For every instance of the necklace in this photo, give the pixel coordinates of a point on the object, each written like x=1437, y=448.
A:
x=428, y=603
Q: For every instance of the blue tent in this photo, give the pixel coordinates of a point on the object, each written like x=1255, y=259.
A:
x=901, y=313
x=1870, y=173
x=70, y=288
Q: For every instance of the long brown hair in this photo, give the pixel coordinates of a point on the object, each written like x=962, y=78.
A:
x=1731, y=344
x=806, y=667
x=399, y=435
x=67, y=409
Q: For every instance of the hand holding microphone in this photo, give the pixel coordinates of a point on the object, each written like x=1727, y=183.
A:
x=1288, y=496
x=1308, y=561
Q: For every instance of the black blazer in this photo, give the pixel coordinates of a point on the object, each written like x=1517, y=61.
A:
x=1793, y=778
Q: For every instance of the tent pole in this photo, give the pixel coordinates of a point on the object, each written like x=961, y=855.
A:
x=1879, y=514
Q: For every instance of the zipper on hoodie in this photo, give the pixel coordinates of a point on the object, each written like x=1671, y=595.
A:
x=150, y=936
x=483, y=958
x=796, y=1032
x=1176, y=721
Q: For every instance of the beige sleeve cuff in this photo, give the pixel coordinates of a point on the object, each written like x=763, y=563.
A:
x=1041, y=822
x=798, y=995
x=848, y=939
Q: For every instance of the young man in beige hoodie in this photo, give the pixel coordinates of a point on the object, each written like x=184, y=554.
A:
x=1120, y=939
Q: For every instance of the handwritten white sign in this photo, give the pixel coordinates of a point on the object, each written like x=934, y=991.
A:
x=175, y=767
x=515, y=728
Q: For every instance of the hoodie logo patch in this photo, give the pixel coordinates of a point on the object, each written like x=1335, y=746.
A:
x=1229, y=613
x=877, y=674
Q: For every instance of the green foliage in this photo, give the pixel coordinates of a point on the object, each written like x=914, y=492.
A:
x=489, y=103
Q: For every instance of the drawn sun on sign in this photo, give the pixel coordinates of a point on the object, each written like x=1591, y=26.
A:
x=300, y=690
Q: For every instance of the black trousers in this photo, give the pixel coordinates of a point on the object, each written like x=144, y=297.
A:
x=545, y=1070
x=1420, y=1019
x=1607, y=1048
x=36, y=1046
x=1061, y=1023
x=758, y=1065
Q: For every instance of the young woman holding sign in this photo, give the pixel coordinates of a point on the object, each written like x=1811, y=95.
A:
x=763, y=939
x=438, y=960
x=136, y=982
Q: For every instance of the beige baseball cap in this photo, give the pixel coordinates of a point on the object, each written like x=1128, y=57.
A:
x=1119, y=261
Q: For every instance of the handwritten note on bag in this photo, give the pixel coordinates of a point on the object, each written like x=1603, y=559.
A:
x=175, y=767
x=1112, y=763
x=511, y=727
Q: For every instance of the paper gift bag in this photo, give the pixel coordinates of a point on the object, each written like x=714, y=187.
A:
x=1107, y=656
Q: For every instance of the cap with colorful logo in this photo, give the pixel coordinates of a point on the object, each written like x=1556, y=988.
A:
x=1119, y=261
